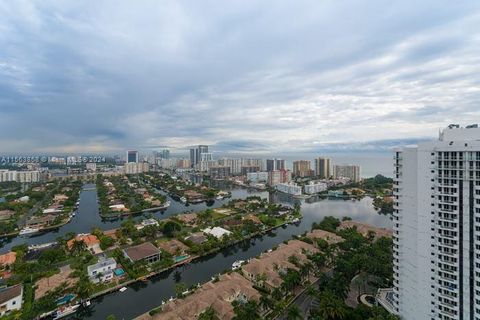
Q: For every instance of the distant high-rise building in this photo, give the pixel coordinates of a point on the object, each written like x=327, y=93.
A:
x=279, y=176
x=302, y=168
x=165, y=154
x=132, y=156
x=322, y=168
x=275, y=164
x=348, y=171
x=436, y=223
x=196, y=154
x=249, y=169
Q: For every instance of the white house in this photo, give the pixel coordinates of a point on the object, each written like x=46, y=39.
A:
x=217, y=232
x=102, y=271
x=10, y=299
x=146, y=223
x=312, y=187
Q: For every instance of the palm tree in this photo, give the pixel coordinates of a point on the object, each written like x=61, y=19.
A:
x=331, y=307
x=78, y=247
x=208, y=314
x=294, y=313
x=266, y=302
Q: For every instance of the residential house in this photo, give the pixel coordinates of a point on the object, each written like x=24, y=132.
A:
x=102, y=271
x=365, y=229
x=174, y=247
x=217, y=232
x=218, y=295
x=197, y=238
x=329, y=237
x=6, y=214
x=266, y=271
x=7, y=259
x=10, y=299
x=91, y=241
x=143, y=252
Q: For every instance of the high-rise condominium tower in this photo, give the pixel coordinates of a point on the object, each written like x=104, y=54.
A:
x=437, y=227
x=322, y=168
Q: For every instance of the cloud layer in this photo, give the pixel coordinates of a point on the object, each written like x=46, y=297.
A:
x=245, y=76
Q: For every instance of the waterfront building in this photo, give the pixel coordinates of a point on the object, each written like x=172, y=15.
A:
x=329, y=237
x=312, y=187
x=219, y=172
x=206, y=161
x=351, y=172
x=7, y=260
x=256, y=177
x=146, y=252
x=275, y=164
x=289, y=188
x=10, y=299
x=302, y=168
x=279, y=176
x=266, y=270
x=102, y=271
x=437, y=228
x=217, y=232
x=322, y=168
x=132, y=156
x=91, y=242
x=218, y=295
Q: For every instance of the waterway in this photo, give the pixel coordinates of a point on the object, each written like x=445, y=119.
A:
x=143, y=296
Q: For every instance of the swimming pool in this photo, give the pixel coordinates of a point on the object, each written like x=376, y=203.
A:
x=180, y=258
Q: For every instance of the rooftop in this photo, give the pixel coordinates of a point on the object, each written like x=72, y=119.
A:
x=364, y=229
x=141, y=251
x=101, y=264
x=219, y=295
x=9, y=293
x=330, y=237
x=89, y=240
x=8, y=258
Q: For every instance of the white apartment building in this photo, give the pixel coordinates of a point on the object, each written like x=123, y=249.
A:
x=136, y=167
x=313, y=187
x=348, y=171
x=256, y=177
x=289, y=188
x=437, y=227
x=19, y=176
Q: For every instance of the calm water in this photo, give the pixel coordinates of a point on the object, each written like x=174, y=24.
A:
x=141, y=297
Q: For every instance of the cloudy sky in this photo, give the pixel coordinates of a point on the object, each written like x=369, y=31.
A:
x=244, y=76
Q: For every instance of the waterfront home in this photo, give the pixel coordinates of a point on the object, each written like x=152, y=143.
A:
x=329, y=237
x=266, y=271
x=10, y=299
x=146, y=223
x=40, y=221
x=6, y=214
x=253, y=218
x=102, y=271
x=193, y=196
x=188, y=218
x=174, y=247
x=63, y=278
x=197, y=238
x=143, y=252
x=119, y=207
x=91, y=242
x=366, y=229
x=218, y=295
x=7, y=259
x=217, y=232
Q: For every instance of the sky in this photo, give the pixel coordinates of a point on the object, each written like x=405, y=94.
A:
x=242, y=76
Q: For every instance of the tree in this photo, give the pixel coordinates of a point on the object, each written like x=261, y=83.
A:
x=78, y=247
x=294, y=313
x=170, y=228
x=245, y=310
x=208, y=314
x=331, y=307
x=266, y=302
x=180, y=288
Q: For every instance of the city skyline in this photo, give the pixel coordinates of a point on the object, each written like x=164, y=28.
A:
x=243, y=77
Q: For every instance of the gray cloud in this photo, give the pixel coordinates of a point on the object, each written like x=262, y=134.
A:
x=250, y=77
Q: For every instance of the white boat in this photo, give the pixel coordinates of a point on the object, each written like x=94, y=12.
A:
x=219, y=198
x=122, y=289
x=183, y=199
x=237, y=264
x=28, y=230
x=65, y=311
x=296, y=220
x=87, y=303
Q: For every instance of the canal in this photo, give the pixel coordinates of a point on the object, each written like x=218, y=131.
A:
x=143, y=296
